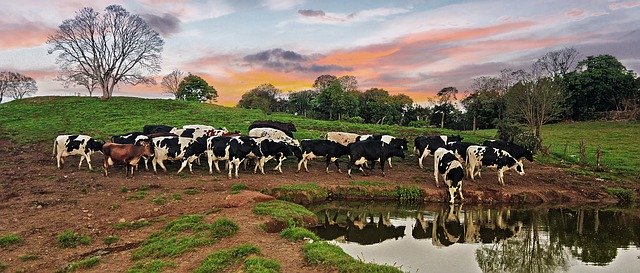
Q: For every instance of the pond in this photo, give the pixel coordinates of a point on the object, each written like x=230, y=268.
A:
x=437, y=238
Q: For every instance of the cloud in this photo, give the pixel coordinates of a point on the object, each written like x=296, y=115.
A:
x=281, y=4
x=289, y=61
x=624, y=5
x=166, y=24
x=309, y=16
x=23, y=33
x=311, y=13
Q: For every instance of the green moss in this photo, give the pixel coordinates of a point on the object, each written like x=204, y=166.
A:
x=300, y=193
x=82, y=264
x=152, y=266
x=298, y=233
x=283, y=211
x=410, y=193
x=261, y=265
x=322, y=253
x=10, y=239
x=138, y=195
x=624, y=195
x=237, y=188
x=69, y=239
x=220, y=260
x=176, y=197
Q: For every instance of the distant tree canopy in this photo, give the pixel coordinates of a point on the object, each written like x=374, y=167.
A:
x=16, y=85
x=171, y=82
x=109, y=48
x=194, y=88
x=263, y=97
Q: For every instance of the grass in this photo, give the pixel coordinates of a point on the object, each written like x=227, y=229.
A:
x=261, y=265
x=288, y=212
x=624, y=195
x=138, y=195
x=132, y=225
x=237, y=188
x=323, y=253
x=3, y=267
x=365, y=183
x=29, y=257
x=111, y=239
x=69, y=238
x=185, y=234
x=220, y=260
x=10, y=239
x=298, y=234
x=82, y=264
x=159, y=200
x=191, y=191
x=152, y=266
x=300, y=193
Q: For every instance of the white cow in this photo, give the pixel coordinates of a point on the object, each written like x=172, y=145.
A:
x=478, y=156
x=82, y=145
x=273, y=134
x=342, y=137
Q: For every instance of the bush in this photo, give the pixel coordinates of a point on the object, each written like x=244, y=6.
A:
x=518, y=134
x=355, y=119
x=419, y=123
x=298, y=233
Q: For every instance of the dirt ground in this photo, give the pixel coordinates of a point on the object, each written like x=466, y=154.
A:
x=38, y=201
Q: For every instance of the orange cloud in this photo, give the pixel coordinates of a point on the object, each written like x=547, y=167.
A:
x=23, y=34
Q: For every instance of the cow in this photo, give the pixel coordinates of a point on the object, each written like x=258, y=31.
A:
x=83, y=145
x=371, y=150
x=200, y=127
x=193, y=152
x=478, y=156
x=169, y=148
x=279, y=150
x=128, y=154
x=161, y=134
x=150, y=129
x=287, y=127
x=399, y=143
x=218, y=132
x=232, y=149
x=135, y=138
x=330, y=150
x=190, y=133
x=459, y=149
x=426, y=145
x=342, y=137
x=515, y=150
x=273, y=134
x=445, y=163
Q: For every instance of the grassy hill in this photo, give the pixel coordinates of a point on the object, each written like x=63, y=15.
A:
x=42, y=118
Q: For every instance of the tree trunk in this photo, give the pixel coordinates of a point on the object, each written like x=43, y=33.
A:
x=474, y=123
x=442, y=121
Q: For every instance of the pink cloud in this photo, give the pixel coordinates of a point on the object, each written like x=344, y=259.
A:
x=624, y=5
x=23, y=34
x=577, y=12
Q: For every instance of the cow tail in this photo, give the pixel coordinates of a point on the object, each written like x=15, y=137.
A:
x=55, y=147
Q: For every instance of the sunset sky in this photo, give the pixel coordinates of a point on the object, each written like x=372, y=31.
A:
x=411, y=47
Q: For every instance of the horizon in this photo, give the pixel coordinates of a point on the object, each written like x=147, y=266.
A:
x=410, y=47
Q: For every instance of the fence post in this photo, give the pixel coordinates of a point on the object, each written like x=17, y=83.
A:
x=583, y=151
x=599, y=159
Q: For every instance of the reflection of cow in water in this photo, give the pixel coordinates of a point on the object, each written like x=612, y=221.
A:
x=446, y=228
x=359, y=229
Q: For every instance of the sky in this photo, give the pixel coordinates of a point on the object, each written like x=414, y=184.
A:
x=410, y=47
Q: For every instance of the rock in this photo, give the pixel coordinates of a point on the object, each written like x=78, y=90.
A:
x=245, y=197
x=39, y=207
x=122, y=220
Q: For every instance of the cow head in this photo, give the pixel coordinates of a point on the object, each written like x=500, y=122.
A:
x=452, y=138
x=296, y=151
x=513, y=164
x=94, y=145
x=453, y=178
x=528, y=155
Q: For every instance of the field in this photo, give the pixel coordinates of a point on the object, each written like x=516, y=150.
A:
x=70, y=219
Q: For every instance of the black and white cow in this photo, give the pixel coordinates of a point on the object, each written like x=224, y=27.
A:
x=190, y=133
x=134, y=138
x=275, y=149
x=371, y=150
x=399, y=143
x=330, y=150
x=287, y=127
x=232, y=149
x=152, y=129
x=459, y=149
x=169, y=148
x=515, y=150
x=82, y=145
x=445, y=163
x=427, y=145
x=198, y=126
x=273, y=134
x=478, y=156
x=193, y=152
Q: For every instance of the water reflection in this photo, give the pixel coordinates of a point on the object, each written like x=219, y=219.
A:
x=502, y=239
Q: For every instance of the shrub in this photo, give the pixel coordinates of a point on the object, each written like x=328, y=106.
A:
x=355, y=119
x=83, y=264
x=236, y=188
x=220, y=260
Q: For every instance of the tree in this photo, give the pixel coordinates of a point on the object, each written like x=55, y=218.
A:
x=171, y=82
x=194, y=88
x=8, y=80
x=536, y=101
x=301, y=102
x=323, y=81
x=484, y=103
x=113, y=47
x=444, y=97
x=557, y=63
x=23, y=86
x=332, y=102
x=263, y=97
x=348, y=83
x=79, y=79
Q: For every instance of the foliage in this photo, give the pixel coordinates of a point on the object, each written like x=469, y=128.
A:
x=323, y=253
x=263, y=97
x=355, y=119
x=10, y=239
x=516, y=133
x=110, y=48
x=69, y=239
x=195, y=88
x=298, y=233
x=367, y=183
x=83, y=264
x=625, y=195
x=409, y=193
x=261, y=265
x=16, y=85
x=236, y=188
x=333, y=102
x=152, y=266
x=283, y=211
x=301, y=102
x=220, y=260
x=171, y=82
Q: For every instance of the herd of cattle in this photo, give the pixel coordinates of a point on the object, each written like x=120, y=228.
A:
x=274, y=140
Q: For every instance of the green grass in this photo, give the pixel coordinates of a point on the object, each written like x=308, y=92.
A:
x=298, y=234
x=365, y=183
x=29, y=257
x=261, y=265
x=132, y=225
x=82, y=264
x=176, y=197
x=220, y=260
x=3, y=267
x=300, y=193
x=111, y=239
x=69, y=238
x=191, y=191
x=10, y=239
x=185, y=234
x=152, y=266
x=138, y=195
x=159, y=200
x=625, y=195
x=323, y=253
x=237, y=188
x=288, y=212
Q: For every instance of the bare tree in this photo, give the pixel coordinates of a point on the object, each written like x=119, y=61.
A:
x=557, y=63
x=73, y=78
x=23, y=86
x=8, y=81
x=113, y=47
x=171, y=82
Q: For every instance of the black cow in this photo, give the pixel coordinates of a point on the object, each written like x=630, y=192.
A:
x=446, y=164
x=427, y=145
x=399, y=143
x=82, y=145
x=371, y=150
x=151, y=129
x=286, y=127
x=233, y=149
x=134, y=138
x=275, y=149
x=515, y=150
x=478, y=156
x=330, y=150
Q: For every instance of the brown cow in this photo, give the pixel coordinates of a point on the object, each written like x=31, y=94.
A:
x=127, y=154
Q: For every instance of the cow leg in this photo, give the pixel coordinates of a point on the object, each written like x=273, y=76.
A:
x=327, y=163
x=153, y=163
x=280, y=164
x=435, y=171
x=460, y=190
x=389, y=160
x=184, y=164
x=229, y=167
x=237, y=164
x=210, y=161
x=337, y=165
x=162, y=165
x=501, y=176
x=452, y=192
x=300, y=164
x=423, y=155
x=89, y=161
x=471, y=170
x=146, y=163
x=382, y=160
x=105, y=166
x=81, y=159
x=258, y=162
x=218, y=167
